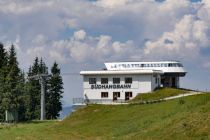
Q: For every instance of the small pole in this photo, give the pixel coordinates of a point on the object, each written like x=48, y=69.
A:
x=6, y=113
x=42, y=82
x=41, y=78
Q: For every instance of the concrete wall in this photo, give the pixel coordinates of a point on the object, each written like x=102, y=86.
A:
x=140, y=84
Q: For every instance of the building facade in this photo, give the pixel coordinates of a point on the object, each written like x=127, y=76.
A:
x=122, y=81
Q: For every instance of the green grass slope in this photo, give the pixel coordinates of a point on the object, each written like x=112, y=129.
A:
x=159, y=94
x=187, y=118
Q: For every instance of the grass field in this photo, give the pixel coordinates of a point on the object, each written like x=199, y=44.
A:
x=159, y=94
x=187, y=118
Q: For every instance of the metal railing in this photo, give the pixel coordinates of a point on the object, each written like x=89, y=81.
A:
x=96, y=101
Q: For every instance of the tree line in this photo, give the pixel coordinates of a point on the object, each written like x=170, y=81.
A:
x=20, y=93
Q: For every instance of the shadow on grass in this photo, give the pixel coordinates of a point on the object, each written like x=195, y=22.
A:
x=38, y=121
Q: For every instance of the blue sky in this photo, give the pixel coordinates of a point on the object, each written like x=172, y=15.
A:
x=82, y=35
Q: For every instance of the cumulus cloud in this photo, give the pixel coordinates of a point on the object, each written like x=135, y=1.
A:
x=39, y=40
x=112, y=3
x=121, y=27
x=80, y=35
x=188, y=37
x=23, y=7
x=83, y=48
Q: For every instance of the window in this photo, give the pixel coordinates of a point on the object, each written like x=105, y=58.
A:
x=129, y=94
x=104, y=80
x=173, y=65
x=104, y=94
x=128, y=80
x=180, y=65
x=92, y=80
x=117, y=94
x=116, y=80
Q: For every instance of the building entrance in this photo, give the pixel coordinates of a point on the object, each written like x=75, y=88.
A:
x=128, y=95
x=174, y=82
x=116, y=95
x=170, y=81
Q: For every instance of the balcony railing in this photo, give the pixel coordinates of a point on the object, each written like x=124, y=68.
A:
x=80, y=101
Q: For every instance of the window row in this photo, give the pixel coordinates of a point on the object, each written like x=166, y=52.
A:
x=128, y=80
x=162, y=65
x=116, y=95
x=148, y=65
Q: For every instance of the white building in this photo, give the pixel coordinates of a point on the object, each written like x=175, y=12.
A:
x=122, y=81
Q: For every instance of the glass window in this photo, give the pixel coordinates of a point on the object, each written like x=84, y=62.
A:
x=116, y=80
x=173, y=65
x=180, y=65
x=117, y=94
x=104, y=80
x=104, y=94
x=92, y=80
x=129, y=94
x=128, y=80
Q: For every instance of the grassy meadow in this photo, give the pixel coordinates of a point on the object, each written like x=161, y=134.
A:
x=159, y=94
x=186, y=118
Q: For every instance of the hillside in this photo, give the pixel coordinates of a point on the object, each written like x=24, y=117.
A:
x=159, y=94
x=185, y=118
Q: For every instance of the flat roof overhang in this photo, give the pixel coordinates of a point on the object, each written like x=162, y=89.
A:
x=122, y=72
x=180, y=74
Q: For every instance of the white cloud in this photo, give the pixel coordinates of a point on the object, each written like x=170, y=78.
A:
x=112, y=3
x=145, y=26
x=204, y=11
x=80, y=35
x=83, y=48
x=189, y=36
x=24, y=7
x=39, y=40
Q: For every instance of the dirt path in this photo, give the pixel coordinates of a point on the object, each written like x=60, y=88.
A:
x=183, y=95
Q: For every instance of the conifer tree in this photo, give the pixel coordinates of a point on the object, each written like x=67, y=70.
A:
x=12, y=93
x=3, y=73
x=22, y=98
x=54, y=105
x=34, y=90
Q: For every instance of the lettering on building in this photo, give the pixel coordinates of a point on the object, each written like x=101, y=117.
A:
x=127, y=86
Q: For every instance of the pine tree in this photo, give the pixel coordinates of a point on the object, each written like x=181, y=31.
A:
x=3, y=73
x=34, y=90
x=11, y=96
x=53, y=104
x=22, y=98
